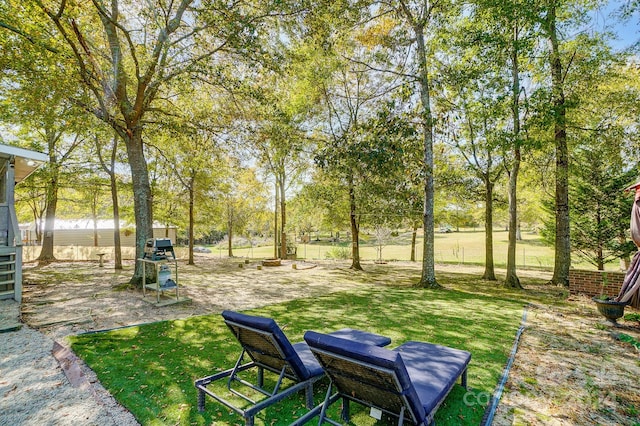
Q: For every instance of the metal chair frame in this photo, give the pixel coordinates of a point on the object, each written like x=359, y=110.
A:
x=273, y=396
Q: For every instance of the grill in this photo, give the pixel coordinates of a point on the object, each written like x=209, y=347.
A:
x=158, y=249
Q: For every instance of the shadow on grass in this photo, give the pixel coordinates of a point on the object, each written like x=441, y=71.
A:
x=150, y=369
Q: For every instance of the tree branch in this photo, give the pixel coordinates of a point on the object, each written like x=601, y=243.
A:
x=28, y=37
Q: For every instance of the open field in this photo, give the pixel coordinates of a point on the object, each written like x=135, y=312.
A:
x=464, y=248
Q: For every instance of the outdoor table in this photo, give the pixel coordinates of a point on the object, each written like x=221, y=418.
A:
x=156, y=286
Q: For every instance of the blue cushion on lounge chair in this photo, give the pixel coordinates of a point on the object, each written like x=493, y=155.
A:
x=299, y=356
x=361, y=351
x=433, y=370
x=308, y=360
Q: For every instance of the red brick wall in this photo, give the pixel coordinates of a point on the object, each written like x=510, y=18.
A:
x=591, y=282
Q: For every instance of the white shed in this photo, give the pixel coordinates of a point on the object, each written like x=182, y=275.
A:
x=15, y=165
x=90, y=233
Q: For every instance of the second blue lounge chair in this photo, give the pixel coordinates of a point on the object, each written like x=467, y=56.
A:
x=409, y=382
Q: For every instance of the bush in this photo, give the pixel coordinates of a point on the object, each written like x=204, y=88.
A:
x=339, y=253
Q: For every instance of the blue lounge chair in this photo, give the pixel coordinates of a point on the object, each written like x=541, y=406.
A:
x=409, y=382
x=269, y=349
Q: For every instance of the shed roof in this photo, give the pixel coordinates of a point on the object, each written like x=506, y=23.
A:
x=65, y=224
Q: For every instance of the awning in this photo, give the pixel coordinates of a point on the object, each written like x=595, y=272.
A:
x=26, y=161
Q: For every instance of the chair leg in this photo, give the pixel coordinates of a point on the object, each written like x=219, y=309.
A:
x=248, y=421
x=232, y=376
x=308, y=391
x=325, y=404
x=201, y=400
x=463, y=380
x=401, y=417
x=260, y=377
x=346, y=412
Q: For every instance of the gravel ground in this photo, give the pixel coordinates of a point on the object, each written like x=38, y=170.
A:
x=35, y=391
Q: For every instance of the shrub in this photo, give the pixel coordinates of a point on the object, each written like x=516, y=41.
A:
x=339, y=253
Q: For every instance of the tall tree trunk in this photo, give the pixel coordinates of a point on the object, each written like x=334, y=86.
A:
x=113, y=183
x=600, y=258
x=275, y=226
x=192, y=197
x=600, y=243
x=38, y=214
x=428, y=278
x=489, y=270
x=355, y=228
x=512, y=279
x=414, y=235
x=283, y=220
x=116, y=222
x=46, y=253
x=230, y=240
x=562, y=243
x=94, y=218
x=143, y=201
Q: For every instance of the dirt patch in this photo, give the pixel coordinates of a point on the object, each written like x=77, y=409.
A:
x=571, y=370
x=68, y=298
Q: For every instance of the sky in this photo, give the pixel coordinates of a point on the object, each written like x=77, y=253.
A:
x=627, y=32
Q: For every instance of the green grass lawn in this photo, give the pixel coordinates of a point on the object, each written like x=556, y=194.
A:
x=150, y=369
x=464, y=247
